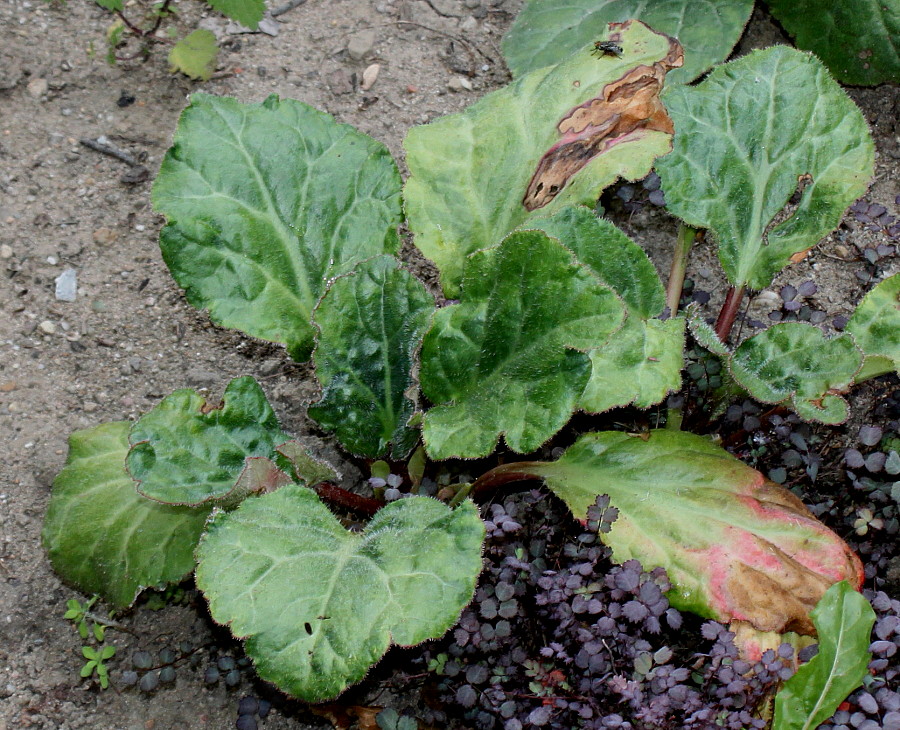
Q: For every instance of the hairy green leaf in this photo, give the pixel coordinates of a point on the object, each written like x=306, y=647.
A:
x=506, y=359
x=113, y=5
x=794, y=361
x=101, y=535
x=187, y=451
x=859, y=40
x=843, y=620
x=318, y=605
x=876, y=325
x=308, y=469
x=265, y=204
x=245, y=12
x=643, y=362
x=755, y=132
x=544, y=33
x=195, y=55
x=735, y=546
x=370, y=324
x=556, y=136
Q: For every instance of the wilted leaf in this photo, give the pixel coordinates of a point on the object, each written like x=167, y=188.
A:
x=643, y=362
x=308, y=469
x=859, y=40
x=505, y=359
x=556, y=136
x=187, y=451
x=755, y=132
x=794, y=361
x=266, y=203
x=318, y=605
x=544, y=33
x=195, y=55
x=843, y=620
x=371, y=322
x=245, y=12
x=102, y=536
x=876, y=325
x=735, y=546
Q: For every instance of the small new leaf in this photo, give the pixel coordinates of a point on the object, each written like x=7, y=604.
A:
x=318, y=605
x=245, y=12
x=195, y=55
x=843, y=620
x=876, y=326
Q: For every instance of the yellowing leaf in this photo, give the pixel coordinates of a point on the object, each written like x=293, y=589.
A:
x=195, y=55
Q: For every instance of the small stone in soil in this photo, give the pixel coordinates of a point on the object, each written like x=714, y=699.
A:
x=67, y=285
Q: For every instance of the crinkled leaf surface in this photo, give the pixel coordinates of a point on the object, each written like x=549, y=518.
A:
x=245, y=12
x=187, y=451
x=843, y=620
x=735, y=546
x=318, y=605
x=101, y=535
x=308, y=469
x=876, y=322
x=859, y=40
x=266, y=203
x=370, y=324
x=506, y=359
x=195, y=55
x=745, y=139
x=794, y=361
x=544, y=33
x=556, y=136
x=643, y=362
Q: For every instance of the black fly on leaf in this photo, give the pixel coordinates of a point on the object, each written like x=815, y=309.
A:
x=606, y=48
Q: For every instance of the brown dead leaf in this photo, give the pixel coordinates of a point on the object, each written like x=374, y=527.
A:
x=626, y=105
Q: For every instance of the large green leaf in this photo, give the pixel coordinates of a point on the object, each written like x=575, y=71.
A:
x=556, y=136
x=505, y=360
x=101, y=535
x=843, y=620
x=643, y=362
x=735, y=546
x=187, y=451
x=545, y=32
x=859, y=40
x=794, y=361
x=318, y=605
x=876, y=326
x=265, y=204
x=371, y=322
x=245, y=12
x=745, y=139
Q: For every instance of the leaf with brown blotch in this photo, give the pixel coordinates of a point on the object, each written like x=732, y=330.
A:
x=736, y=546
x=624, y=106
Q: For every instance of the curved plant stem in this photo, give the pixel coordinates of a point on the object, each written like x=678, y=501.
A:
x=500, y=475
x=729, y=312
x=350, y=500
x=683, y=244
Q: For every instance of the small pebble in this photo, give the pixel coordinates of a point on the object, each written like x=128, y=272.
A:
x=369, y=76
x=67, y=285
x=6, y=251
x=47, y=327
x=37, y=88
x=361, y=44
x=459, y=83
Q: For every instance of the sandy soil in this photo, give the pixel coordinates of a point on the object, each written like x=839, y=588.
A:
x=129, y=338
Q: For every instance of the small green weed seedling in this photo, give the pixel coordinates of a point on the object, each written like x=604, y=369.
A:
x=95, y=663
x=556, y=311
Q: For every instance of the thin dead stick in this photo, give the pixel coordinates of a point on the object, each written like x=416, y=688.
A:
x=686, y=237
x=451, y=36
x=107, y=149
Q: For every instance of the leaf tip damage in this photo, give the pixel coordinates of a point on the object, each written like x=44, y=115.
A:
x=625, y=108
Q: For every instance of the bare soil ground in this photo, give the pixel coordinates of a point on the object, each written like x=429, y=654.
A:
x=129, y=338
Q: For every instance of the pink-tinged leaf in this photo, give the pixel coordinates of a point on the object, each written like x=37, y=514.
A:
x=736, y=546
